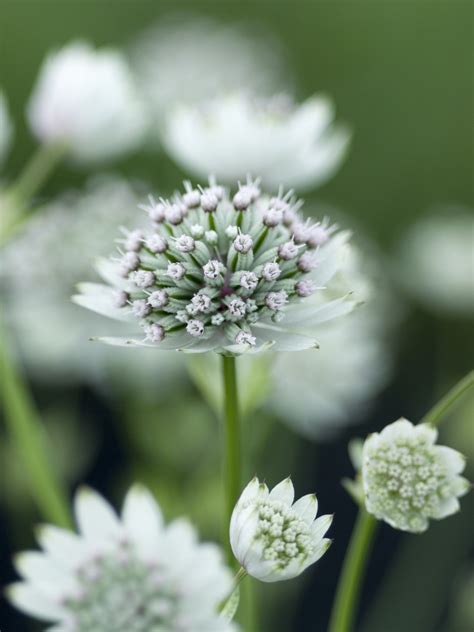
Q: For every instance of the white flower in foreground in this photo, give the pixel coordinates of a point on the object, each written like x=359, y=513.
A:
x=86, y=99
x=185, y=58
x=232, y=135
x=222, y=274
x=407, y=479
x=274, y=539
x=6, y=128
x=435, y=261
x=39, y=269
x=128, y=574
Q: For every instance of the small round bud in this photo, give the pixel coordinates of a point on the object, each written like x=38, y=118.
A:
x=176, y=271
x=200, y=303
x=231, y=232
x=241, y=200
x=185, y=243
x=217, y=319
x=288, y=251
x=307, y=262
x=211, y=237
x=317, y=237
x=276, y=300
x=272, y=217
x=197, y=231
x=156, y=243
x=244, y=338
x=209, y=201
x=130, y=261
x=192, y=198
x=195, y=328
x=140, y=308
x=243, y=243
x=236, y=308
x=158, y=299
x=154, y=332
x=134, y=240
x=174, y=214
x=121, y=299
x=143, y=278
x=305, y=287
x=301, y=232
x=271, y=271
x=213, y=269
x=248, y=280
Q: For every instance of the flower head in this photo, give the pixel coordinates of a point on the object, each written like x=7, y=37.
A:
x=133, y=573
x=274, y=539
x=86, y=99
x=231, y=135
x=234, y=275
x=407, y=479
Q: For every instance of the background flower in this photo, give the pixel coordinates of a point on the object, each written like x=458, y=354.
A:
x=133, y=572
x=231, y=136
x=87, y=99
x=6, y=128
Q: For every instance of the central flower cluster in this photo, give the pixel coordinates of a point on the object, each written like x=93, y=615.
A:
x=284, y=535
x=215, y=265
x=121, y=592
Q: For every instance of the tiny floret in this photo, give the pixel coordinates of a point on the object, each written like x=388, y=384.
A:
x=154, y=332
x=243, y=243
x=195, y=328
x=248, y=280
x=158, y=299
x=273, y=538
x=176, y=271
x=271, y=271
x=276, y=300
x=408, y=479
x=143, y=278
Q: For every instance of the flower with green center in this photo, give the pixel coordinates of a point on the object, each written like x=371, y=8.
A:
x=407, y=479
x=130, y=575
x=227, y=274
x=274, y=539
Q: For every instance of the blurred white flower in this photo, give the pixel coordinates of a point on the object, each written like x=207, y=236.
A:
x=407, y=479
x=219, y=273
x=40, y=268
x=317, y=392
x=87, y=99
x=230, y=136
x=6, y=128
x=435, y=261
x=187, y=58
x=274, y=539
x=131, y=573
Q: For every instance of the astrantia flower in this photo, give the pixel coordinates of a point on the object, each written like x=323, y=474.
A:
x=86, y=99
x=435, y=261
x=232, y=135
x=6, y=128
x=274, y=539
x=122, y=575
x=407, y=479
x=221, y=273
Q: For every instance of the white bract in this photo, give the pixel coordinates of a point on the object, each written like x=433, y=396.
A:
x=86, y=99
x=407, y=479
x=230, y=136
x=272, y=537
x=186, y=58
x=208, y=298
x=6, y=128
x=131, y=573
x=39, y=269
x=435, y=262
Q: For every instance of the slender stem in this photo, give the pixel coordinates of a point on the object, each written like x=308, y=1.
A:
x=436, y=414
x=232, y=444
x=27, y=433
x=350, y=581
x=37, y=170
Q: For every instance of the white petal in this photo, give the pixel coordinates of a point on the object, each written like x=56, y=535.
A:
x=143, y=520
x=100, y=299
x=400, y=428
x=446, y=507
x=320, y=526
x=28, y=599
x=67, y=549
x=427, y=432
x=43, y=573
x=306, y=507
x=95, y=517
x=284, y=492
x=453, y=460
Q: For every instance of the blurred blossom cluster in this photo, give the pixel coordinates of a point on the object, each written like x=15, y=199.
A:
x=40, y=268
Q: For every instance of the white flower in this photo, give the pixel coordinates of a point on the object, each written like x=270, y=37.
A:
x=39, y=270
x=6, y=128
x=87, y=100
x=233, y=135
x=274, y=539
x=407, y=479
x=187, y=58
x=435, y=261
x=318, y=392
x=207, y=281
x=129, y=573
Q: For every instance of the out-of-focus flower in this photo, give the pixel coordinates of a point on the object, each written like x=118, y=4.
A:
x=187, y=58
x=222, y=274
x=133, y=573
x=40, y=268
x=317, y=392
x=6, y=128
x=407, y=479
x=286, y=144
x=274, y=539
x=86, y=99
x=435, y=261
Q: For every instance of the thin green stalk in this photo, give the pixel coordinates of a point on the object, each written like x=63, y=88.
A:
x=436, y=414
x=27, y=433
x=37, y=170
x=350, y=582
x=233, y=459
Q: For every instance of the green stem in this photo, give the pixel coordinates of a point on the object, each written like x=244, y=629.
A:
x=37, y=170
x=350, y=581
x=436, y=414
x=232, y=444
x=27, y=433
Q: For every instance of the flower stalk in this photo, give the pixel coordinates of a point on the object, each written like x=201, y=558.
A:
x=437, y=413
x=26, y=431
